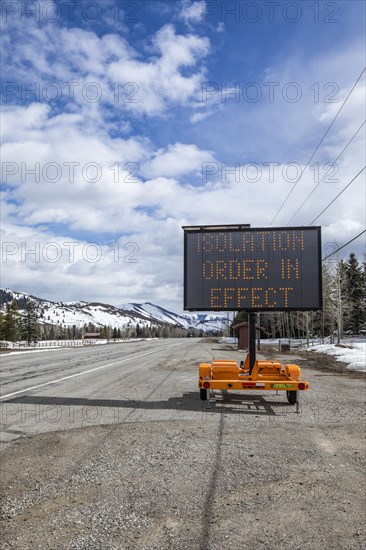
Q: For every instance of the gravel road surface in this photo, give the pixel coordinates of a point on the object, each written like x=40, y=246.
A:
x=109, y=447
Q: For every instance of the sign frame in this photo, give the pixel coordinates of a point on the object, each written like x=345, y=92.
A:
x=247, y=228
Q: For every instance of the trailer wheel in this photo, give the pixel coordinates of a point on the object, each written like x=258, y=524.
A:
x=204, y=394
x=291, y=397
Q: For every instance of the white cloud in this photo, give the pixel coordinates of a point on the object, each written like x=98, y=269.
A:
x=20, y=121
x=179, y=159
x=347, y=228
x=193, y=12
x=81, y=178
x=55, y=266
x=82, y=66
x=197, y=117
x=159, y=80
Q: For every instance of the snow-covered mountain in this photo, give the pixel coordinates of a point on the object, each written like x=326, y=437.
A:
x=73, y=313
x=78, y=313
x=205, y=322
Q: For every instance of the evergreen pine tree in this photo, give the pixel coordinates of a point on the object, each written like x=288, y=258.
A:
x=12, y=322
x=1, y=326
x=29, y=327
x=356, y=294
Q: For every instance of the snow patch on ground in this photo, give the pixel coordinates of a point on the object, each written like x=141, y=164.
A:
x=228, y=340
x=354, y=354
x=31, y=351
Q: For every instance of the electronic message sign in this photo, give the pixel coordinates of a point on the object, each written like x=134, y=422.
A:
x=252, y=269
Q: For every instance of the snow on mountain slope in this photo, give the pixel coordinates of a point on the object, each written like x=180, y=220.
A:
x=79, y=313
x=73, y=313
x=201, y=321
x=157, y=313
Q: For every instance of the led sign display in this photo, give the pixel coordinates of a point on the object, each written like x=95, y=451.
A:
x=253, y=269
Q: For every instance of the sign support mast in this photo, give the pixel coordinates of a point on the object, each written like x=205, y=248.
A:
x=252, y=340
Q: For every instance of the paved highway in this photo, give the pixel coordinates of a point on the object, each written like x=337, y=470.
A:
x=110, y=447
x=49, y=390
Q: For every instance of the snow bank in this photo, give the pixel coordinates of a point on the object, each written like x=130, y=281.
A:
x=228, y=340
x=354, y=355
x=29, y=351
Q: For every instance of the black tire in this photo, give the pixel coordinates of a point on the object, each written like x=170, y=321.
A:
x=291, y=397
x=204, y=394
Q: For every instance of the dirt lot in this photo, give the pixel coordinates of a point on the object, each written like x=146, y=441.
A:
x=171, y=472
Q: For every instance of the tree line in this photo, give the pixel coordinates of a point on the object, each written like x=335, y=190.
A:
x=26, y=326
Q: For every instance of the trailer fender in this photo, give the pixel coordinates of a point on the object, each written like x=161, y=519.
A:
x=205, y=371
x=293, y=372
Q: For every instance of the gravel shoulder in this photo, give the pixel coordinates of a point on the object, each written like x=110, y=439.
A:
x=171, y=472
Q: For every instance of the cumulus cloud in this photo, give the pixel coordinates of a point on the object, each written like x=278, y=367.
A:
x=177, y=160
x=59, y=174
x=193, y=12
x=83, y=69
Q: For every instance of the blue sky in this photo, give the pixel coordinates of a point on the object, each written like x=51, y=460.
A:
x=166, y=114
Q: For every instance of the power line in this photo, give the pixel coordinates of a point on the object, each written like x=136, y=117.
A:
x=317, y=185
x=317, y=147
x=340, y=248
x=339, y=194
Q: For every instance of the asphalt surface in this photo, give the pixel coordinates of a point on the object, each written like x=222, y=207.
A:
x=110, y=447
x=74, y=387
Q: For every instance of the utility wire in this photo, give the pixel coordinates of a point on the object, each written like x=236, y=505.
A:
x=317, y=147
x=339, y=194
x=317, y=185
x=340, y=248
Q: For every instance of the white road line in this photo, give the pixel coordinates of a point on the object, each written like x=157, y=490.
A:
x=89, y=370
